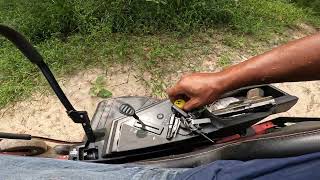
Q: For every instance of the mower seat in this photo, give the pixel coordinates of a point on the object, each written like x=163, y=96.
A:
x=301, y=138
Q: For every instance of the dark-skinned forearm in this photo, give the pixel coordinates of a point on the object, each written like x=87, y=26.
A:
x=296, y=61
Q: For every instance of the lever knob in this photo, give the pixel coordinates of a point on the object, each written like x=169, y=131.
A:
x=127, y=110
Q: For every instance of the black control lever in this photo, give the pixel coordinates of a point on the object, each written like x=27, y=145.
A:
x=32, y=54
x=128, y=110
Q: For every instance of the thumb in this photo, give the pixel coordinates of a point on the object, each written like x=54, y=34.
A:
x=191, y=104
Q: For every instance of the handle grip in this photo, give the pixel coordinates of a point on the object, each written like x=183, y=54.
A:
x=22, y=44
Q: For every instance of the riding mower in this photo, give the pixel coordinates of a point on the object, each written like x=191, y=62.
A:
x=148, y=131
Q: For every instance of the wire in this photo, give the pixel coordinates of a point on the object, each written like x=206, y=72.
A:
x=57, y=140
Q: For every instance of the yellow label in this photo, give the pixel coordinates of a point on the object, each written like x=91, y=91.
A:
x=179, y=103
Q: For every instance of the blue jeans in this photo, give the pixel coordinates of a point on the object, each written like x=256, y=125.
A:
x=292, y=168
x=14, y=167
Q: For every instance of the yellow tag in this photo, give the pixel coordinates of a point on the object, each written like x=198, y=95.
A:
x=179, y=103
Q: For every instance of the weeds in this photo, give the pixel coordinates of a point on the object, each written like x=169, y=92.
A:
x=234, y=40
x=224, y=61
x=98, y=88
x=312, y=4
x=42, y=19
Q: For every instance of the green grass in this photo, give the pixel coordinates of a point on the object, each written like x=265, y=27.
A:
x=234, y=40
x=153, y=35
x=42, y=19
x=224, y=60
x=311, y=4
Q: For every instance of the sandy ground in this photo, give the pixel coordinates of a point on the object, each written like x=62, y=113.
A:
x=43, y=115
x=309, y=98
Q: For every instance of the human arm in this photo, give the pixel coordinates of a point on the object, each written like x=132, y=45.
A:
x=298, y=60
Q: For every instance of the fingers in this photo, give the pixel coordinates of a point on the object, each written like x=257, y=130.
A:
x=174, y=92
x=191, y=104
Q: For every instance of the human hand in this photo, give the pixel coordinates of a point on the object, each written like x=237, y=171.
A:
x=199, y=88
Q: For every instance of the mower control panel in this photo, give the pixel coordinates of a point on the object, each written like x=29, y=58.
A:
x=137, y=127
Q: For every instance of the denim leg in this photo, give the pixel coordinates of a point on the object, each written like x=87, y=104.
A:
x=15, y=167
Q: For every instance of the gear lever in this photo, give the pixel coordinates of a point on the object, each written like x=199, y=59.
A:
x=128, y=110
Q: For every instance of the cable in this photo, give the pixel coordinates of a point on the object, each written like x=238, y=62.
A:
x=57, y=140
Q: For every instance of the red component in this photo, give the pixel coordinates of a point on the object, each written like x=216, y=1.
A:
x=258, y=129
x=229, y=138
x=63, y=157
x=261, y=128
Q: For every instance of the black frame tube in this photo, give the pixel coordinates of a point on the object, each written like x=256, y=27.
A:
x=33, y=55
x=55, y=86
x=14, y=136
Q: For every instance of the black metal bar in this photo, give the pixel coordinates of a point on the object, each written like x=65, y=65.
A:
x=55, y=86
x=32, y=54
x=14, y=136
x=21, y=43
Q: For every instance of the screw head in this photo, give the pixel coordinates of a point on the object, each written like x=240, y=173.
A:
x=160, y=116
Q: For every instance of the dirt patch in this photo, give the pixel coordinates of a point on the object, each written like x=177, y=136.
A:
x=308, y=104
x=43, y=114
